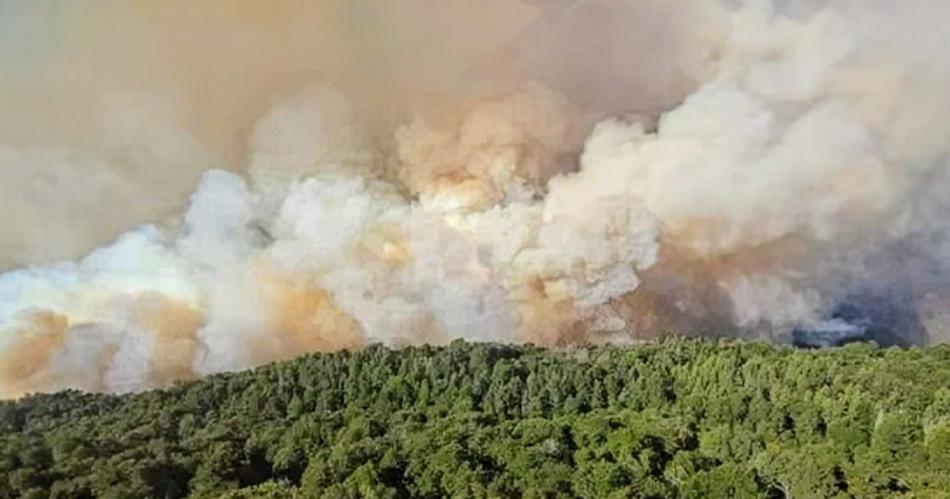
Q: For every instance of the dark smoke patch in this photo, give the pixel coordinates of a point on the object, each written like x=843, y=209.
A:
x=890, y=320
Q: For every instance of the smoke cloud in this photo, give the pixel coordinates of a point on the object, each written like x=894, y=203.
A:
x=558, y=172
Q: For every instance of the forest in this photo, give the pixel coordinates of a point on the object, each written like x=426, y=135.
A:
x=678, y=418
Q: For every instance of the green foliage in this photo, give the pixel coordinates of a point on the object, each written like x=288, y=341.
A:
x=681, y=418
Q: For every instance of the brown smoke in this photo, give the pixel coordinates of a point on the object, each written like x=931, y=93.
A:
x=414, y=171
x=301, y=319
x=114, y=103
x=23, y=364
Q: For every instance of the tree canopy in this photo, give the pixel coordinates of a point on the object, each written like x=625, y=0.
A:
x=680, y=418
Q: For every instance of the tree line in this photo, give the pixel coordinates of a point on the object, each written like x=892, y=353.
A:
x=679, y=418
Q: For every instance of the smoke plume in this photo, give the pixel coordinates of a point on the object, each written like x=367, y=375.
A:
x=559, y=172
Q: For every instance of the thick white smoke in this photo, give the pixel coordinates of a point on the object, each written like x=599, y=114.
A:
x=797, y=176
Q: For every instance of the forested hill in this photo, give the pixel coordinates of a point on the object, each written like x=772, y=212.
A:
x=681, y=418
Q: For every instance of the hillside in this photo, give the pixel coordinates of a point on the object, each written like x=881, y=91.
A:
x=681, y=418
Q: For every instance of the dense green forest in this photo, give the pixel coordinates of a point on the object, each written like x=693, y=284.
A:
x=681, y=418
